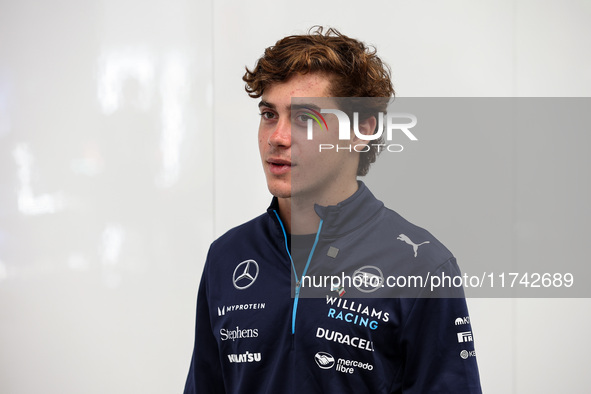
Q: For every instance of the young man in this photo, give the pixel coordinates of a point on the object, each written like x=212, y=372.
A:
x=255, y=331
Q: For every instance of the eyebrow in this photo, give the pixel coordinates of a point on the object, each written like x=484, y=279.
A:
x=264, y=103
x=306, y=106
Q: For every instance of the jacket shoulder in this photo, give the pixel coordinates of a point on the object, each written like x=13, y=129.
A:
x=254, y=228
x=415, y=241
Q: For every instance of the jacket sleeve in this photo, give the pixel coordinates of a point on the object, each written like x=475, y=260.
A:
x=205, y=372
x=437, y=343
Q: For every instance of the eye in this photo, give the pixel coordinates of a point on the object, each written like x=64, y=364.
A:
x=267, y=115
x=303, y=118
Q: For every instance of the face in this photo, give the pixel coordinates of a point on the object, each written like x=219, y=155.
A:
x=293, y=165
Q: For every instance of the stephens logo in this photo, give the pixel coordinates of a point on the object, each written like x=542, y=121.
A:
x=237, y=333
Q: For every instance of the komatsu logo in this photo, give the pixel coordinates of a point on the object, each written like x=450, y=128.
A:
x=247, y=357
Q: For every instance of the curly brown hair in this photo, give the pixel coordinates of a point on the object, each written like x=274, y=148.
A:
x=354, y=68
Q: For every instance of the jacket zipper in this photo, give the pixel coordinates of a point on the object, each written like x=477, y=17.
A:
x=299, y=279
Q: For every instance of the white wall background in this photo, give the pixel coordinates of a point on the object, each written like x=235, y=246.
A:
x=127, y=144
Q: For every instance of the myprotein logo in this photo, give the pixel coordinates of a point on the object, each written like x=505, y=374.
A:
x=388, y=124
x=222, y=310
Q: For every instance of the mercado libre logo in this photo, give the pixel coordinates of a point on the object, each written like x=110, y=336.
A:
x=317, y=118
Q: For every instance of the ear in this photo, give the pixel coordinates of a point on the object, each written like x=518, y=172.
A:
x=366, y=127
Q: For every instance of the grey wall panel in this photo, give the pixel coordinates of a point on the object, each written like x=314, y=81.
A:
x=106, y=178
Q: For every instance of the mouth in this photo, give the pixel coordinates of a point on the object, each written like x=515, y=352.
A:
x=279, y=166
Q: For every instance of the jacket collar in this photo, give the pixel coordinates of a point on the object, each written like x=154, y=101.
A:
x=345, y=216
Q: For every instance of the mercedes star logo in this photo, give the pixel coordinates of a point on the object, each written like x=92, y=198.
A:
x=245, y=274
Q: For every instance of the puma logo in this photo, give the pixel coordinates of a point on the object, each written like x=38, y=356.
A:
x=415, y=246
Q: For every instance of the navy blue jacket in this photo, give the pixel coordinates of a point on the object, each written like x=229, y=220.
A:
x=256, y=333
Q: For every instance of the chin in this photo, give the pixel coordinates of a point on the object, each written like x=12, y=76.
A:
x=281, y=194
x=282, y=191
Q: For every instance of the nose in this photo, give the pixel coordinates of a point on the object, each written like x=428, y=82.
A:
x=281, y=135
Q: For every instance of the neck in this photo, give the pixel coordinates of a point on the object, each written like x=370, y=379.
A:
x=298, y=214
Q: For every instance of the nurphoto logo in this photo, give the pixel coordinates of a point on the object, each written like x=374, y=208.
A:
x=388, y=124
